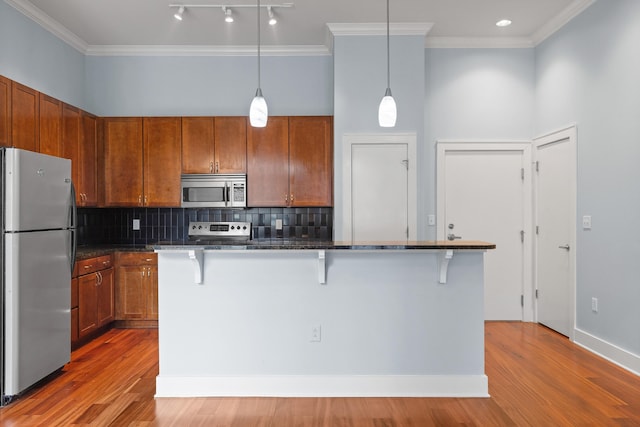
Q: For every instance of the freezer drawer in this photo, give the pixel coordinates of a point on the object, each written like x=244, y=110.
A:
x=37, y=300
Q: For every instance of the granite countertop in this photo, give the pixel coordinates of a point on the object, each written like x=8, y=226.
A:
x=285, y=244
x=85, y=252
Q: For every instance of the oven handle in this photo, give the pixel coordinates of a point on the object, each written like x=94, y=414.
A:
x=228, y=200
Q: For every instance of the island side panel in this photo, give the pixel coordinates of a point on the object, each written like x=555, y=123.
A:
x=380, y=313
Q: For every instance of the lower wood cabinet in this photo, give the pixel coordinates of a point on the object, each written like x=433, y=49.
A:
x=136, y=288
x=95, y=295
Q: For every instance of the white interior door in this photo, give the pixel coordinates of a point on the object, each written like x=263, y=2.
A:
x=379, y=183
x=483, y=194
x=555, y=220
x=379, y=192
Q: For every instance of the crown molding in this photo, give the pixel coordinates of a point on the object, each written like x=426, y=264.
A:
x=574, y=9
x=479, y=42
x=203, y=50
x=48, y=23
x=380, y=29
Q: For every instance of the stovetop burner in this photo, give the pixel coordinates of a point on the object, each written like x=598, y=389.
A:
x=219, y=231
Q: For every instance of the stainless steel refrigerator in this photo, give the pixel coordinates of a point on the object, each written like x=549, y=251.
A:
x=37, y=256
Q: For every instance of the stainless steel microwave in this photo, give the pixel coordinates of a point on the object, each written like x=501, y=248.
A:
x=214, y=191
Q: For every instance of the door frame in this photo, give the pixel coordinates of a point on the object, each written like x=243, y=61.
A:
x=569, y=133
x=445, y=146
x=408, y=139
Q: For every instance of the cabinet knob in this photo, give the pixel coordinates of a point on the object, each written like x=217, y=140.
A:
x=148, y=260
x=292, y=198
x=140, y=199
x=210, y=167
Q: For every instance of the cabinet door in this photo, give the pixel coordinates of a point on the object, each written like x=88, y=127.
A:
x=123, y=161
x=24, y=117
x=5, y=112
x=71, y=144
x=106, y=298
x=87, y=304
x=74, y=310
x=197, y=144
x=230, y=154
x=88, y=159
x=50, y=123
x=162, y=161
x=131, y=297
x=152, y=293
x=311, y=161
x=268, y=163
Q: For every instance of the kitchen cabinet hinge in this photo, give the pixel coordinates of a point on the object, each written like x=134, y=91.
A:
x=522, y=173
x=521, y=300
x=536, y=294
x=537, y=166
x=522, y=236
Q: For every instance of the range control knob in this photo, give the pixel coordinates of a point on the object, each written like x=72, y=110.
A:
x=244, y=227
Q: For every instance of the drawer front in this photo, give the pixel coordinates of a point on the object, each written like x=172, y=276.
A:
x=91, y=265
x=137, y=258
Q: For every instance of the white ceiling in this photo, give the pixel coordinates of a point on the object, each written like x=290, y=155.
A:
x=138, y=26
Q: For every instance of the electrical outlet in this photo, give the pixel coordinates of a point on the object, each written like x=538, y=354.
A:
x=316, y=333
x=586, y=222
x=431, y=219
x=594, y=305
x=136, y=224
x=278, y=224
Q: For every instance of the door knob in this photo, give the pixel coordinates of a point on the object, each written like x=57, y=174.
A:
x=452, y=236
x=567, y=247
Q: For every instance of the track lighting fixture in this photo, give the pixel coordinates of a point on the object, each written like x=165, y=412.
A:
x=387, y=112
x=272, y=18
x=178, y=14
x=228, y=17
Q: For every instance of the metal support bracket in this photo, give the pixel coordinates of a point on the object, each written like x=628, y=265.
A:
x=444, y=265
x=197, y=256
x=322, y=271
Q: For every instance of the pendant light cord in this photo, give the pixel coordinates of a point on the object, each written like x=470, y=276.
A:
x=388, y=56
x=259, y=43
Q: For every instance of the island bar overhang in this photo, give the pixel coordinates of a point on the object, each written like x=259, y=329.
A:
x=382, y=324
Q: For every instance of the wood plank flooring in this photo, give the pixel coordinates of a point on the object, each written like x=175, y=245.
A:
x=536, y=378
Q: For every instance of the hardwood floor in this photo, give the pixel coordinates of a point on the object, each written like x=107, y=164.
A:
x=536, y=378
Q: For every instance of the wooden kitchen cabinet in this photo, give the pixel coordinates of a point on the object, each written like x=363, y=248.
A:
x=96, y=300
x=5, y=112
x=24, y=117
x=137, y=288
x=290, y=162
x=123, y=161
x=214, y=145
x=50, y=125
x=71, y=143
x=162, y=164
x=87, y=163
x=142, y=161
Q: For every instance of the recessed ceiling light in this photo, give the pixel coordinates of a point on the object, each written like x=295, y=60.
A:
x=503, y=23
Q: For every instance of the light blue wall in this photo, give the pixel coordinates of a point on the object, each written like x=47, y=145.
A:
x=182, y=86
x=34, y=57
x=588, y=74
x=475, y=94
x=360, y=80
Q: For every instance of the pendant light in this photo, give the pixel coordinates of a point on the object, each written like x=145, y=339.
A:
x=258, y=112
x=387, y=112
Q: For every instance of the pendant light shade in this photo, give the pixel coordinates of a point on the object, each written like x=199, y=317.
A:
x=258, y=112
x=387, y=112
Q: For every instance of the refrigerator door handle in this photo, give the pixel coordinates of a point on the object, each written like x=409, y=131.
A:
x=72, y=224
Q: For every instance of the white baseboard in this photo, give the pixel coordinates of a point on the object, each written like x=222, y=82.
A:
x=611, y=352
x=325, y=386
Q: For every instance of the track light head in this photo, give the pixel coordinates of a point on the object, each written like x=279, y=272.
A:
x=179, y=13
x=272, y=18
x=228, y=17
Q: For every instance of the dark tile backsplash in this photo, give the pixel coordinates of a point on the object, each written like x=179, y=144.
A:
x=115, y=225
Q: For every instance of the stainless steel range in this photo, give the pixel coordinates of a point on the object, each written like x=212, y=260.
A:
x=219, y=231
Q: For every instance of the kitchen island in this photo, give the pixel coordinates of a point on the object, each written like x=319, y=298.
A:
x=290, y=318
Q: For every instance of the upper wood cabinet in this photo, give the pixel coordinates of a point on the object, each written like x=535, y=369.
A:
x=214, y=145
x=311, y=161
x=5, y=112
x=24, y=117
x=71, y=143
x=87, y=165
x=142, y=161
x=290, y=162
x=162, y=162
x=268, y=163
x=50, y=125
x=123, y=161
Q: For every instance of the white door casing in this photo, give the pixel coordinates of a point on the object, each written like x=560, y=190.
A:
x=484, y=190
x=555, y=216
x=386, y=186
